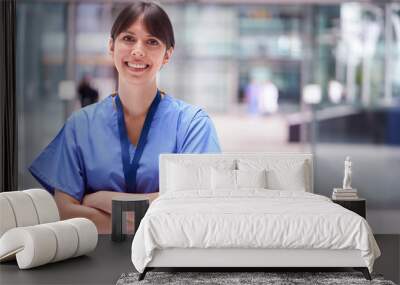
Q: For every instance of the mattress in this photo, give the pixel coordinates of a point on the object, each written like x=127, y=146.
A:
x=251, y=219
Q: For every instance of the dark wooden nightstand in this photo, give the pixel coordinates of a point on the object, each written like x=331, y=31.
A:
x=358, y=206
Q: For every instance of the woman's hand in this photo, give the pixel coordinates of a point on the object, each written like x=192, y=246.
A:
x=96, y=207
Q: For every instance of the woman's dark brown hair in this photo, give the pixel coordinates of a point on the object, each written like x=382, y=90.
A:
x=155, y=20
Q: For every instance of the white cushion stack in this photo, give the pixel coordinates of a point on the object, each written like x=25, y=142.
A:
x=31, y=233
x=26, y=208
x=41, y=244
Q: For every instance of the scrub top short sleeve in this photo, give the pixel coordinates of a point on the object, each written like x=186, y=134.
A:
x=200, y=136
x=59, y=166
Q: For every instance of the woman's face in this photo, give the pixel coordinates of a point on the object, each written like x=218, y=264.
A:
x=137, y=55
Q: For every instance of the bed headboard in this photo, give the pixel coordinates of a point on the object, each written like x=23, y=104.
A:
x=236, y=160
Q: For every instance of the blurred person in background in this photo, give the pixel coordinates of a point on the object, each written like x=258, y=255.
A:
x=252, y=93
x=268, y=98
x=112, y=148
x=261, y=93
x=87, y=94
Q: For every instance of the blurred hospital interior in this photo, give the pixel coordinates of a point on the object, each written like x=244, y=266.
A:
x=275, y=76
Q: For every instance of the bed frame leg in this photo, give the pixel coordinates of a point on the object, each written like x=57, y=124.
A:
x=364, y=271
x=143, y=274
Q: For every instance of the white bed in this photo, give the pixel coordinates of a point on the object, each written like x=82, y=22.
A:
x=247, y=210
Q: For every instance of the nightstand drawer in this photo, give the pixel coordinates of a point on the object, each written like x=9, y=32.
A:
x=357, y=206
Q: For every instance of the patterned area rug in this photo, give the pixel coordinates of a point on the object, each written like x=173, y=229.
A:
x=269, y=278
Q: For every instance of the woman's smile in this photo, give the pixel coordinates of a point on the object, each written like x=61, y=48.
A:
x=136, y=67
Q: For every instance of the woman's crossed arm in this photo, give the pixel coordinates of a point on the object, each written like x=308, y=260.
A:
x=96, y=207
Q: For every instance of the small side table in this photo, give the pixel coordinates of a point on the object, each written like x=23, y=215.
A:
x=123, y=205
x=358, y=206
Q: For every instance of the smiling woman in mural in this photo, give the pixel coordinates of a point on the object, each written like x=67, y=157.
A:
x=112, y=147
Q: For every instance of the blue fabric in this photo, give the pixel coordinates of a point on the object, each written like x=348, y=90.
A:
x=85, y=156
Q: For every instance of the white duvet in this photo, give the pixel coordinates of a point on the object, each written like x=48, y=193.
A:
x=252, y=218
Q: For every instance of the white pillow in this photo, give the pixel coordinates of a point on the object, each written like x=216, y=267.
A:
x=282, y=174
x=292, y=180
x=226, y=179
x=181, y=177
x=251, y=178
x=223, y=179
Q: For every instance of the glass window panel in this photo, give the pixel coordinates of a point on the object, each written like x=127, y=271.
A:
x=41, y=38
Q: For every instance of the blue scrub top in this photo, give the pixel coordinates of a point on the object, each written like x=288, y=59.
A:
x=85, y=156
